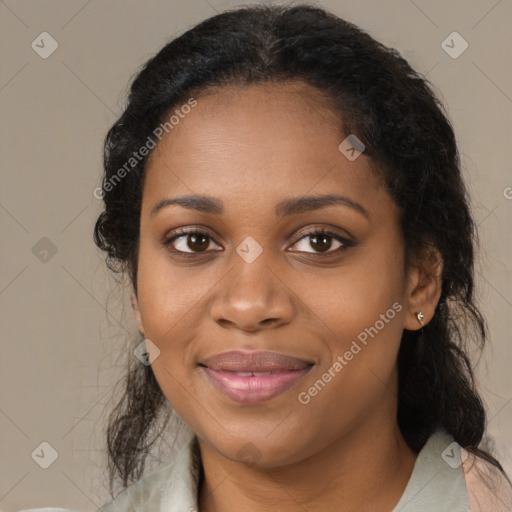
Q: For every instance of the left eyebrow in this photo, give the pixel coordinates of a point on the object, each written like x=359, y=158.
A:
x=287, y=207
x=303, y=204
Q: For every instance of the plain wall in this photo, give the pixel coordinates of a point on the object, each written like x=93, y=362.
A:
x=62, y=352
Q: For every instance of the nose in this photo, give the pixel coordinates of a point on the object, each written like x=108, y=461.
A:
x=252, y=297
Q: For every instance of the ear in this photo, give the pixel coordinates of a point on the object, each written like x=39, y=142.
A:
x=424, y=280
x=136, y=312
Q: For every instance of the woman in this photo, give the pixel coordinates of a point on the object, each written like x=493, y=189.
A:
x=285, y=195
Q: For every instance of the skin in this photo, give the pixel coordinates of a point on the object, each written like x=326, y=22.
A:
x=251, y=148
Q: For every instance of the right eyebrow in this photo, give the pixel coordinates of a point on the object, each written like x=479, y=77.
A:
x=200, y=203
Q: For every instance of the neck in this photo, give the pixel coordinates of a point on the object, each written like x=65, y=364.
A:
x=365, y=470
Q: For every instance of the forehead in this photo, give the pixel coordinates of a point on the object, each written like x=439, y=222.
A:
x=256, y=142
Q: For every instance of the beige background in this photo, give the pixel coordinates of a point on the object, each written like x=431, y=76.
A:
x=62, y=351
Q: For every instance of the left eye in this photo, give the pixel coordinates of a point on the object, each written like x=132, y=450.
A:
x=323, y=241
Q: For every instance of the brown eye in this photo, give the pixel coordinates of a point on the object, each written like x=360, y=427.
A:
x=197, y=241
x=321, y=241
x=189, y=242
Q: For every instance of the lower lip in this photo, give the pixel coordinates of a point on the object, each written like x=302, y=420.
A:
x=254, y=389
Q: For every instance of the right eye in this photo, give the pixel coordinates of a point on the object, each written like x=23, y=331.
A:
x=195, y=240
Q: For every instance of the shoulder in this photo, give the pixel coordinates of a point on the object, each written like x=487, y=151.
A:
x=172, y=488
x=488, y=488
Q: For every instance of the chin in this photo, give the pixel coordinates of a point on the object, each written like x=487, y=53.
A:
x=261, y=451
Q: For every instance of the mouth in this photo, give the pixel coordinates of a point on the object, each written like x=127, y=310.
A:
x=254, y=377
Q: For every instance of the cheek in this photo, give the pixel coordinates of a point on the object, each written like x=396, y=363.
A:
x=363, y=309
x=167, y=302
x=167, y=293
x=364, y=325
x=357, y=375
x=368, y=290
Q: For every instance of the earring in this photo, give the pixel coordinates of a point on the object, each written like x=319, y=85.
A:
x=420, y=316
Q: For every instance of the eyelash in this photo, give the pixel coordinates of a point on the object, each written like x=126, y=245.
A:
x=315, y=231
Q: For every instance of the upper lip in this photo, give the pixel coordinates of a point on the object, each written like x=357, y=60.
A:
x=261, y=361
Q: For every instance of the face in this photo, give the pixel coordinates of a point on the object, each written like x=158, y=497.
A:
x=254, y=268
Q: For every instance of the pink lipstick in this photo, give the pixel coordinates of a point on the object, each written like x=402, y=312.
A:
x=254, y=377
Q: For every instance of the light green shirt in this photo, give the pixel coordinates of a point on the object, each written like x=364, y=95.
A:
x=437, y=484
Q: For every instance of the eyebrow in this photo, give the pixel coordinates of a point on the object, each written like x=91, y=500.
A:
x=287, y=207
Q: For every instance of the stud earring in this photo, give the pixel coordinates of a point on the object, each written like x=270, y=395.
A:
x=420, y=316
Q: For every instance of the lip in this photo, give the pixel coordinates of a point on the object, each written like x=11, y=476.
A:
x=254, y=377
x=254, y=361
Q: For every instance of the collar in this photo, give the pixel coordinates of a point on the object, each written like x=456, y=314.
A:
x=437, y=482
